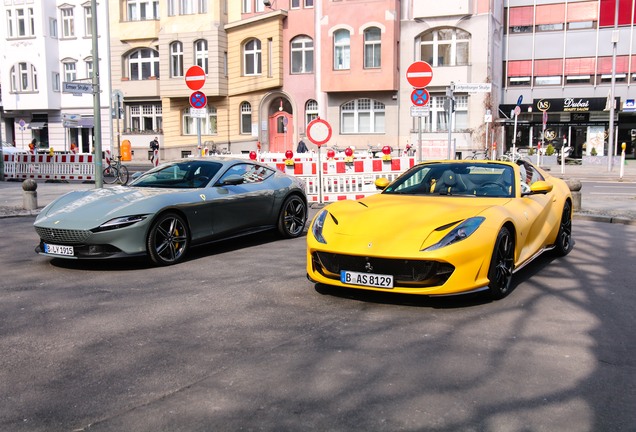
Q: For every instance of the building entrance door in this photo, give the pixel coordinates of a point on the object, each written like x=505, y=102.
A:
x=281, y=126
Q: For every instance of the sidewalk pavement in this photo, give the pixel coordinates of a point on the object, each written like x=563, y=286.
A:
x=598, y=208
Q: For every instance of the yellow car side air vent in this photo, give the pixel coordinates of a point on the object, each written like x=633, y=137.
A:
x=334, y=218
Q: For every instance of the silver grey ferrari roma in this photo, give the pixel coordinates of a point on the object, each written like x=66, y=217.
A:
x=172, y=207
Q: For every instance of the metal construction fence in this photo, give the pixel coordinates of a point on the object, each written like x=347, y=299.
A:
x=339, y=179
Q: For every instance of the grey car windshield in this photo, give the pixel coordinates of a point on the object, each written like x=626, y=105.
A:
x=467, y=179
x=181, y=175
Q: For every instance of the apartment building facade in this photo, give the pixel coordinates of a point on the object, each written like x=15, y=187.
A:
x=558, y=58
x=44, y=44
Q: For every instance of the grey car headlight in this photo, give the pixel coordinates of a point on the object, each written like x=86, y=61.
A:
x=459, y=233
x=318, y=225
x=120, y=222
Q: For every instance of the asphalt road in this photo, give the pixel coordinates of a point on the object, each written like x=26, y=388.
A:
x=236, y=338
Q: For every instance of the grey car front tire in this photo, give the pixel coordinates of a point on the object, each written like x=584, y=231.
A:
x=293, y=217
x=168, y=239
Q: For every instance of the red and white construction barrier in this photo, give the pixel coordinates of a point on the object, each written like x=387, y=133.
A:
x=155, y=159
x=57, y=167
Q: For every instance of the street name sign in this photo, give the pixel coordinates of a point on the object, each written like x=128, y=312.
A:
x=473, y=87
x=76, y=88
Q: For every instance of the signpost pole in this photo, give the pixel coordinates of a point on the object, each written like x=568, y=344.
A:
x=419, y=139
x=199, y=134
x=319, y=177
x=514, y=137
x=486, y=146
x=450, y=117
x=97, y=118
x=118, y=134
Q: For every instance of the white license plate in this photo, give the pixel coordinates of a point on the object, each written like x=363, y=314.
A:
x=58, y=249
x=366, y=279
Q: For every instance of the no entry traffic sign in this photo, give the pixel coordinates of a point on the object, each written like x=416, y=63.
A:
x=198, y=100
x=420, y=97
x=195, y=78
x=419, y=74
x=319, y=132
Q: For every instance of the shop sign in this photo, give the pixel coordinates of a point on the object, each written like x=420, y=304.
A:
x=580, y=117
x=550, y=135
x=572, y=104
x=629, y=105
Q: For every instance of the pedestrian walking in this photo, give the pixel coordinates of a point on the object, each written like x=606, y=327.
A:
x=302, y=148
x=154, y=145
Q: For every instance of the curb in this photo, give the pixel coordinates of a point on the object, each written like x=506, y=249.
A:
x=603, y=218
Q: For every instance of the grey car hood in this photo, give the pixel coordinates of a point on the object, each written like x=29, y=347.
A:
x=91, y=208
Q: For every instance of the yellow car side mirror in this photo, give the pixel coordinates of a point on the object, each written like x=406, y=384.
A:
x=540, y=187
x=382, y=183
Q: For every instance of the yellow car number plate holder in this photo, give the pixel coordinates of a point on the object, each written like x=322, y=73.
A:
x=366, y=279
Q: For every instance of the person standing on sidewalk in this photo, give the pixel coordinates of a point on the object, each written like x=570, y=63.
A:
x=154, y=145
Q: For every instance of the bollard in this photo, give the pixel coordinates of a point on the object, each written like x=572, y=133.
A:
x=575, y=188
x=29, y=196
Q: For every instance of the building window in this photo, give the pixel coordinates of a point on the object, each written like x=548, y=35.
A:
x=203, y=6
x=24, y=78
x=295, y=4
x=68, y=24
x=246, y=118
x=342, y=54
x=619, y=77
x=70, y=71
x=21, y=23
x=519, y=81
x=578, y=79
x=260, y=7
x=437, y=120
x=187, y=7
x=9, y=24
x=302, y=55
x=176, y=59
x=146, y=118
x=362, y=116
x=547, y=80
x=309, y=3
x=201, y=54
x=372, y=45
x=445, y=47
x=208, y=124
x=225, y=64
x=143, y=63
x=31, y=22
x=88, y=21
x=247, y=6
x=311, y=111
x=172, y=7
x=252, y=57
x=142, y=10
x=89, y=67
x=53, y=27
x=56, y=81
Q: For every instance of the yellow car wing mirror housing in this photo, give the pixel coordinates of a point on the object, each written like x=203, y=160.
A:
x=382, y=183
x=541, y=187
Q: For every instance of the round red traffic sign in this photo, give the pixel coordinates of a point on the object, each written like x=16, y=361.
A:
x=419, y=74
x=319, y=132
x=198, y=100
x=195, y=77
x=420, y=97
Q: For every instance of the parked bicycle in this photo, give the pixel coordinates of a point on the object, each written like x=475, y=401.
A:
x=116, y=172
x=510, y=157
x=479, y=155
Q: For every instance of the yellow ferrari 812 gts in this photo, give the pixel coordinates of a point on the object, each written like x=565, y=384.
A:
x=442, y=228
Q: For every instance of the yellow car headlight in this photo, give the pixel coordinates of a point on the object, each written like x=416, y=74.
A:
x=318, y=225
x=459, y=233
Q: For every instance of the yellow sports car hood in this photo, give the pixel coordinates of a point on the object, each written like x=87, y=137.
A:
x=405, y=216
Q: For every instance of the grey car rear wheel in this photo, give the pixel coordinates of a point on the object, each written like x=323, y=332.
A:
x=168, y=239
x=293, y=217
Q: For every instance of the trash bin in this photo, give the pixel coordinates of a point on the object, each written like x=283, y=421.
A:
x=125, y=151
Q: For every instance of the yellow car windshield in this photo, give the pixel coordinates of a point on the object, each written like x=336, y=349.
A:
x=456, y=179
